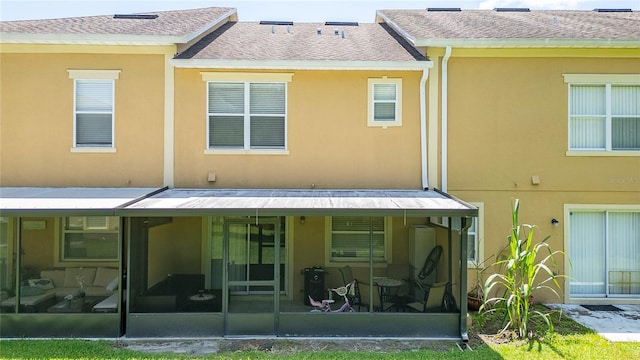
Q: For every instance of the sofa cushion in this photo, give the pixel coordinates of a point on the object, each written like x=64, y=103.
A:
x=43, y=283
x=104, y=276
x=88, y=291
x=56, y=276
x=73, y=277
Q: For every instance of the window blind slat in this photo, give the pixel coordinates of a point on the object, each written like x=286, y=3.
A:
x=351, y=236
x=384, y=92
x=226, y=131
x=267, y=131
x=588, y=133
x=267, y=98
x=93, y=130
x=226, y=98
x=588, y=100
x=94, y=95
x=587, y=249
x=625, y=100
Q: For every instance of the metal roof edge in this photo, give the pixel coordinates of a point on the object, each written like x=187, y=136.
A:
x=397, y=29
x=145, y=196
x=454, y=198
x=523, y=43
x=301, y=64
x=211, y=24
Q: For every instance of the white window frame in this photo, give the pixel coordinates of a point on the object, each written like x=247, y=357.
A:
x=358, y=262
x=247, y=79
x=607, y=80
x=478, y=239
x=371, y=121
x=98, y=75
x=568, y=209
x=87, y=228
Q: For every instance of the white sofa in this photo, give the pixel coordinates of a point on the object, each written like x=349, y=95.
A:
x=99, y=282
x=54, y=285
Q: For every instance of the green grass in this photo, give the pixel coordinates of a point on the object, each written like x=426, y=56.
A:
x=571, y=341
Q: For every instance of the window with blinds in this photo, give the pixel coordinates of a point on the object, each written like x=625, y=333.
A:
x=244, y=115
x=385, y=97
x=604, y=117
x=604, y=251
x=351, y=237
x=90, y=238
x=94, y=113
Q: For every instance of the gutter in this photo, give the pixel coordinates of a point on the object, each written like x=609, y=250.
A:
x=445, y=116
x=423, y=129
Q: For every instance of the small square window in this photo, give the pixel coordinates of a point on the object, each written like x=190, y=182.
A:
x=385, y=102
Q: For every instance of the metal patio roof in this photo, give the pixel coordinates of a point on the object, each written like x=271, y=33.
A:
x=40, y=201
x=44, y=201
x=273, y=202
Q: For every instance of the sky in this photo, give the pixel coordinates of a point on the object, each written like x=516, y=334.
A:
x=300, y=10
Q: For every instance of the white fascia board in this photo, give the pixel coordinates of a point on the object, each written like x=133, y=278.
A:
x=90, y=39
x=210, y=25
x=301, y=64
x=529, y=43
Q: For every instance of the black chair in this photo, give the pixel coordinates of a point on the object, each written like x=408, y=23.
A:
x=433, y=300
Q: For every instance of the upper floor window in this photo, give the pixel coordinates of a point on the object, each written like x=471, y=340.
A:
x=93, y=118
x=604, y=113
x=385, y=102
x=351, y=237
x=247, y=115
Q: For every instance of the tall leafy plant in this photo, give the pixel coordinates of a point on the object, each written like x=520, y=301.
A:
x=524, y=269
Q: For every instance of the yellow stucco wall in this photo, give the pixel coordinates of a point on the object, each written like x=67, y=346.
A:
x=508, y=122
x=37, y=121
x=329, y=143
x=175, y=248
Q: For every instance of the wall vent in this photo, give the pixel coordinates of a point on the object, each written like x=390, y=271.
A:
x=512, y=9
x=136, y=16
x=612, y=10
x=452, y=9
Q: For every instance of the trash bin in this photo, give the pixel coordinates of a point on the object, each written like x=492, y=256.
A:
x=314, y=284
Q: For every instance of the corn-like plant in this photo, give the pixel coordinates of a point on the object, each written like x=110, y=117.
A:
x=523, y=270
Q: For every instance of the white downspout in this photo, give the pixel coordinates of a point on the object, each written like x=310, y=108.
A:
x=445, y=87
x=423, y=127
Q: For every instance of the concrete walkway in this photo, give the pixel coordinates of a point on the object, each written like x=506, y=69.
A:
x=623, y=326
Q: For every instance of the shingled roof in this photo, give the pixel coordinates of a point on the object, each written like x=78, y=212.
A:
x=179, y=26
x=515, y=28
x=303, y=41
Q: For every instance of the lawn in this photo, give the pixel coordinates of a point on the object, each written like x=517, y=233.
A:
x=570, y=341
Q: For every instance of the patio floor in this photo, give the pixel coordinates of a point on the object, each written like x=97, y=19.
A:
x=622, y=326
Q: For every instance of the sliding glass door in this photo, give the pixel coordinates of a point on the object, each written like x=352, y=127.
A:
x=604, y=251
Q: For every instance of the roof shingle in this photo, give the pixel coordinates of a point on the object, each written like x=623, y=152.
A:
x=178, y=23
x=301, y=41
x=423, y=25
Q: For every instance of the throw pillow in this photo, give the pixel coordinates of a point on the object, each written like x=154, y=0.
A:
x=112, y=285
x=104, y=276
x=44, y=284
